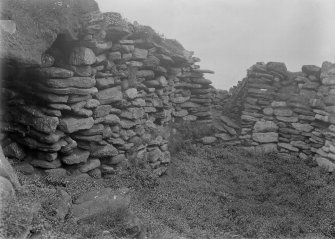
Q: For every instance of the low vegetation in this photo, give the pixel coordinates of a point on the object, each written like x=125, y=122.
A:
x=207, y=192
x=216, y=192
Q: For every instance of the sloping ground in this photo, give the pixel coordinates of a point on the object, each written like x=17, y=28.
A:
x=209, y=192
x=224, y=192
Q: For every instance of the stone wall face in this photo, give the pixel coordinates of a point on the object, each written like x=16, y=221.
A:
x=100, y=102
x=292, y=113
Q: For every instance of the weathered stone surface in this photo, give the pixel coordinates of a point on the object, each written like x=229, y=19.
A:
x=92, y=103
x=96, y=129
x=110, y=95
x=265, y=126
x=303, y=127
x=77, y=156
x=99, y=202
x=80, y=82
x=71, y=124
x=45, y=164
x=102, y=110
x=277, y=67
x=288, y=147
x=132, y=113
x=68, y=90
x=131, y=93
x=13, y=150
x=53, y=98
x=329, y=81
x=103, y=83
x=31, y=116
x=140, y=54
x=78, y=98
x=112, y=119
x=89, y=165
x=201, y=81
x=148, y=74
x=287, y=119
x=104, y=151
x=154, y=155
x=300, y=144
x=311, y=70
x=283, y=112
x=208, y=140
x=325, y=163
x=180, y=113
x=53, y=72
x=24, y=168
x=81, y=56
x=265, y=137
x=229, y=122
x=6, y=171
x=46, y=156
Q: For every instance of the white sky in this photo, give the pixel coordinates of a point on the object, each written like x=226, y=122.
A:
x=231, y=35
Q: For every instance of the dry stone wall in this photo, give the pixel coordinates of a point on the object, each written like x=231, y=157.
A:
x=292, y=113
x=100, y=102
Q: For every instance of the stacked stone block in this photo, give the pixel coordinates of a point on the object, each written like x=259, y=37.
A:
x=101, y=102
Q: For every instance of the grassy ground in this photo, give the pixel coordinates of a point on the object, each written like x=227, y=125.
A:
x=227, y=193
x=211, y=192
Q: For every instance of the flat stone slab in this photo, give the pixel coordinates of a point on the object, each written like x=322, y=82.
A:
x=79, y=82
x=100, y=201
x=71, y=124
x=77, y=156
x=53, y=72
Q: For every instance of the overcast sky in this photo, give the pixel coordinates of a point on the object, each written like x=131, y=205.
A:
x=231, y=35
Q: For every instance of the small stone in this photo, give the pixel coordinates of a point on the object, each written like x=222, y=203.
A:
x=154, y=155
x=89, y=165
x=77, y=156
x=24, y=168
x=71, y=124
x=13, y=150
x=229, y=122
x=131, y=93
x=46, y=165
x=208, y=140
x=110, y=95
x=53, y=72
x=92, y=103
x=103, y=83
x=265, y=137
x=46, y=156
x=95, y=173
x=201, y=81
x=82, y=56
x=265, y=126
x=303, y=127
x=288, y=147
x=117, y=159
x=283, y=112
x=140, y=54
x=325, y=163
x=112, y=119
x=104, y=151
x=80, y=82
